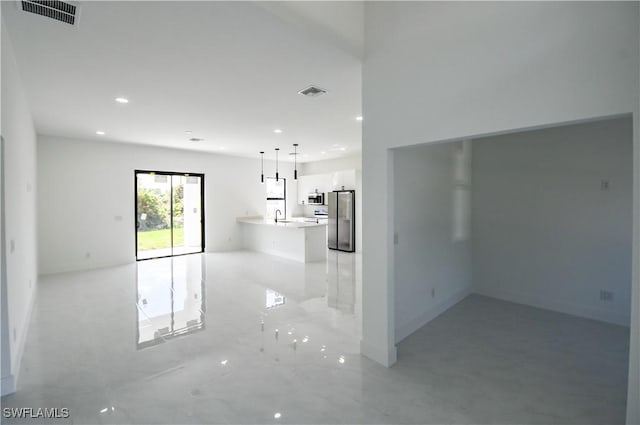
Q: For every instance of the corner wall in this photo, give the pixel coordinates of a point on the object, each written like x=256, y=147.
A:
x=19, y=277
x=86, y=198
x=441, y=71
x=545, y=232
x=432, y=243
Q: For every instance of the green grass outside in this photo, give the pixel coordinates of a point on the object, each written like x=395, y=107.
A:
x=156, y=239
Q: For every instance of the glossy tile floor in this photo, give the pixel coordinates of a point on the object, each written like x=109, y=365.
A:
x=248, y=338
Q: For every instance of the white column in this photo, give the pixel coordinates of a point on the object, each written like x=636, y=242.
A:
x=378, y=324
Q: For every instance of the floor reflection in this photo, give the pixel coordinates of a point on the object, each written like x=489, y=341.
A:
x=273, y=298
x=341, y=281
x=300, y=359
x=171, y=298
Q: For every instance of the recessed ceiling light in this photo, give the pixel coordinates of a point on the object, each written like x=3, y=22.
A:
x=122, y=100
x=100, y=133
x=196, y=139
x=277, y=131
x=358, y=118
x=323, y=152
x=277, y=415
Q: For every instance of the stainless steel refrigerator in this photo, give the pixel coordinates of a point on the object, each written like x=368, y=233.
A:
x=341, y=231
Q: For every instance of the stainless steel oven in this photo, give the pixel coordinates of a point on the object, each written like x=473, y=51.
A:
x=315, y=199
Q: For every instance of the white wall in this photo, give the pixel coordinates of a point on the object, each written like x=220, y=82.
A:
x=428, y=254
x=86, y=198
x=5, y=356
x=436, y=71
x=352, y=162
x=19, y=168
x=544, y=231
x=633, y=409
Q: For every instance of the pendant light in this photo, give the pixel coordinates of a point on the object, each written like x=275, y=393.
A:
x=261, y=166
x=295, y=161
x=277, y=149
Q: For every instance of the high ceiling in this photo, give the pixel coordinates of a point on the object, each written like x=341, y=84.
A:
x=229, y=72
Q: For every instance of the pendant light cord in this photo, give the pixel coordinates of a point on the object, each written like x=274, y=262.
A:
x=261, y=166
x=295, y=161
x=277, y=149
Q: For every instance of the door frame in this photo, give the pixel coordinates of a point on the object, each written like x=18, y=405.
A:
x=135, y=206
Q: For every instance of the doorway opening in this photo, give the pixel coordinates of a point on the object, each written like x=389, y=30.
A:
x=169, y=214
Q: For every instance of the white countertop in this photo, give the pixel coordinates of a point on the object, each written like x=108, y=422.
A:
x=292, y=223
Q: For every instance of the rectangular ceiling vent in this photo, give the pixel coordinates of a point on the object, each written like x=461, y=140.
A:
x=66, y=12
x=312, y=91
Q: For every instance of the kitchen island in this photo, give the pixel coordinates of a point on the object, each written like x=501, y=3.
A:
x=296, y=239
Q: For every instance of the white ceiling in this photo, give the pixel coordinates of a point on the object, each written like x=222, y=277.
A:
x=228, y=71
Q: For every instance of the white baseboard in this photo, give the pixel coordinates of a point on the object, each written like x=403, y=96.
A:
x=560, y=307
x=385, y=357
x=407, y=329
x=8, y=385
x=47, y=270
x=17, y=360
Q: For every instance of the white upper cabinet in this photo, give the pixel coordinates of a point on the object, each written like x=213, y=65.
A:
x=323, y=183
x=343, y=180
x=312, y=184
x=303, y=189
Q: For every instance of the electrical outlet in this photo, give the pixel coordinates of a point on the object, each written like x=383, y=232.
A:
x=604, y=184
x=117, y=217
x=87, y=255
x=395, y=238
x=433, y=292
x=606, y=295
x=12, y=246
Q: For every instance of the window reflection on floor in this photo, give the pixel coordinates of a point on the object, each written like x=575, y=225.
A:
x=170, y=298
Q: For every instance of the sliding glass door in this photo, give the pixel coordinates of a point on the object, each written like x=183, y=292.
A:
x=169, y=214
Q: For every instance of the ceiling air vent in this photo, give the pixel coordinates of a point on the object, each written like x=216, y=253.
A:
x=312, y=91
x=59, y=10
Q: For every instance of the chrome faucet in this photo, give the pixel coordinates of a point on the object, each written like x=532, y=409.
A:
x=278, y=211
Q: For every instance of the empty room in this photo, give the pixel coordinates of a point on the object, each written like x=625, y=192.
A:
x=539, y=218
x=320, y=212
